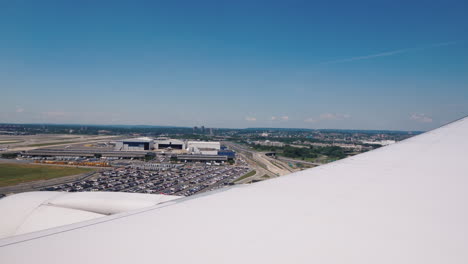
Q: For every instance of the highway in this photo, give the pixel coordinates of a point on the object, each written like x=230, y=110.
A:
x=299, y=161
x=262, y=164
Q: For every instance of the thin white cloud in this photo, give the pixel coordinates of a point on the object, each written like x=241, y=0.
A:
x=55, y=114
x=390, y=53
x=327, y=117
x=19, y=109
x=331, y=116
x=422, y=118
x=250, y=118
x=279, y=118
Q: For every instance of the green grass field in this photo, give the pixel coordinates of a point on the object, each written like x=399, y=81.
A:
x=11, y=174
x=248, y=174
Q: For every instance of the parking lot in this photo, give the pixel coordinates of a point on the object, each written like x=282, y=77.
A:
x=185, y=180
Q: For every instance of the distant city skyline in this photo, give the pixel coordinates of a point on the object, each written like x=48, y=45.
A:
x=380, y=65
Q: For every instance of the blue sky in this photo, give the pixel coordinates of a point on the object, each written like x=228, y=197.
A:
x=309, y=64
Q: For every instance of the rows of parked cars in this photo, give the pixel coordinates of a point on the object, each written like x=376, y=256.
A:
x=184, y=180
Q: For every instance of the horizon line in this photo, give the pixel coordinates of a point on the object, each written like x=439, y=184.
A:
x=191, y=127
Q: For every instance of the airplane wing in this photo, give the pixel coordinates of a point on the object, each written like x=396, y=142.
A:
x=404, y=203
x=34, y=211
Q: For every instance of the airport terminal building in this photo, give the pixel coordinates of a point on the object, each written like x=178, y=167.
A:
x=203, y=147
x=169, y=144
x=135, y=144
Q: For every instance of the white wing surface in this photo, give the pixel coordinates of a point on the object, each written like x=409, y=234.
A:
x=34, y=211
x=404, y=203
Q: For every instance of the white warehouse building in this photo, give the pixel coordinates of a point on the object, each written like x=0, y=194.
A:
x=135, y=144
x=203, y=147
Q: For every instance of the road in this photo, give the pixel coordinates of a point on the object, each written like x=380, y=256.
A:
x=262, y=164
x=37, y=185
x=299, y=161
